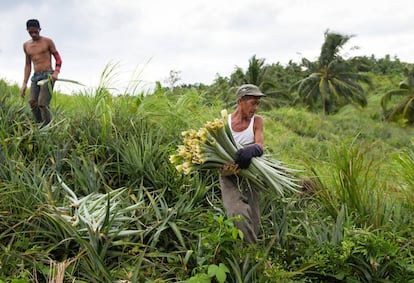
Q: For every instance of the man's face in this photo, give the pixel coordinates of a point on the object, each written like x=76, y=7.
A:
x=34, y=32
x=249, y=105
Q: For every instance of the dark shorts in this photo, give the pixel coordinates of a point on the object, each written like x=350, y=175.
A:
x=41, y=94
x=38, y=76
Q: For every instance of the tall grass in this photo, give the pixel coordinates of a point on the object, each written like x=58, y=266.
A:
x=93, y=198
x=351, y=180
x=405, y=162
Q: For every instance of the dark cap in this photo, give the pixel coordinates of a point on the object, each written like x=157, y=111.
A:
x=249, y=90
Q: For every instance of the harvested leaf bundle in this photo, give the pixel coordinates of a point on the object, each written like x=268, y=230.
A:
x=213, y=146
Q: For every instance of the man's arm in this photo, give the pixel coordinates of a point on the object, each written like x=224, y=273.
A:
x=58, y=60
x=258, y=131
x=27, y=71
x=244, y=155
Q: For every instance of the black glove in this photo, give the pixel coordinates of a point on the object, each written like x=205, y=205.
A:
x=244, y=155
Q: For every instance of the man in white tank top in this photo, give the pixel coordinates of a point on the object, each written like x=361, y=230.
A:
x=239, y=199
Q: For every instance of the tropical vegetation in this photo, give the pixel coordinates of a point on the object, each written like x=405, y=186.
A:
x=93, y=197
x=403, y=110
x=332, y=81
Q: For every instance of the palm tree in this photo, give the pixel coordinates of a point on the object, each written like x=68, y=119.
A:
x=255, y=73
x=404, y=109
x=333, y=81
x=263, y=76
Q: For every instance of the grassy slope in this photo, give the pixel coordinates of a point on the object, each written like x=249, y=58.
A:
x=294, y=136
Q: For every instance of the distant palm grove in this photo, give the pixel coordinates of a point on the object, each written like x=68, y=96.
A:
x=93, y=196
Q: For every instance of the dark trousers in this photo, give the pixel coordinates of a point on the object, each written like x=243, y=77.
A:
x=239, y=199
x=40, y=97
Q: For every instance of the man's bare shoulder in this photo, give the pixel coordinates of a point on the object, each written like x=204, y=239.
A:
x=258, y=117
x=46, y=38
x=49, y=43
x=26, y=45
x=27, y=42
x=258, y=121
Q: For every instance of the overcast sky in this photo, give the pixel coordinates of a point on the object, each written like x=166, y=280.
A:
x=198, y=38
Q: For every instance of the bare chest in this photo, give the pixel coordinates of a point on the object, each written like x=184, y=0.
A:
x=37, y=49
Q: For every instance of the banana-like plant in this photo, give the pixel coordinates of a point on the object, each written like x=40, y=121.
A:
x=405, y=108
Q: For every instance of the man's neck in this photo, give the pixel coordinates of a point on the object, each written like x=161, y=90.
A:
x=238, y=115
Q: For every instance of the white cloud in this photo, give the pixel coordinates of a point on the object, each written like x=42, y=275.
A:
x=198, y=38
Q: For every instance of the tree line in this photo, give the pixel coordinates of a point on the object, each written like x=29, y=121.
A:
x=326, y=84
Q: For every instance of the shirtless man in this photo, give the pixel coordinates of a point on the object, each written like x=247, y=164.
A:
x=39, y=51
x=240, y=199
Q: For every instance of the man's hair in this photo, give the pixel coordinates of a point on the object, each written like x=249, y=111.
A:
x=32, y=23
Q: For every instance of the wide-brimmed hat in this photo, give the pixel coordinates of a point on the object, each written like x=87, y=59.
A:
x=248, y=90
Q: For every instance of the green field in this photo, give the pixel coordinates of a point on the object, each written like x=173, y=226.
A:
x=93, y=197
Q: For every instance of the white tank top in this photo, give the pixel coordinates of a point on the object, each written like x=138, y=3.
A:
x=244, y=137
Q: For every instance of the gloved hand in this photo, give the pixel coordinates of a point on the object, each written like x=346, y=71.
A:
x=244, y=155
